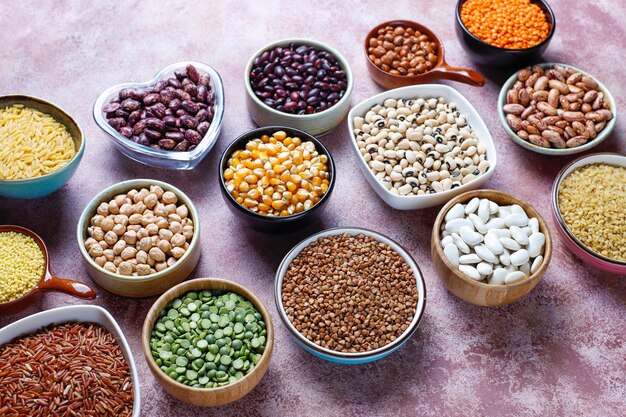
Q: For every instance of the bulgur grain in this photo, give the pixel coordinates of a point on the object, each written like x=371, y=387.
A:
x=592, y=201
x=21, y=265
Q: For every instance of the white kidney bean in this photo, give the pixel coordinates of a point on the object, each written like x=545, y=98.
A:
x=497, y=244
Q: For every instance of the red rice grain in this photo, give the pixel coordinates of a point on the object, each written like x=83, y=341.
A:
x=75, y=369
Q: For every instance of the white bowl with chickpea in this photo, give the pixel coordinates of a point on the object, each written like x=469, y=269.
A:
x=139, y=238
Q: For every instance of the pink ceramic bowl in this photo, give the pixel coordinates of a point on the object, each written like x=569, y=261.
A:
x=581, y=251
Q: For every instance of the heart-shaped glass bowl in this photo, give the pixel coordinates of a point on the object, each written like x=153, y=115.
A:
x=157, y=157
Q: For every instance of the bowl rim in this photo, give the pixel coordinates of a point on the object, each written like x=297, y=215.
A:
x=413, y=25
x=42, y=316
x=205, y=282
x=388, y=348
x=128, y=184
x=602, y=135
x=533, y=48
x=459, y=98
x=436, y=238
x=556, y=185
x=208, y=140
x=78, y=152
x=309, y=42
x=247, y=136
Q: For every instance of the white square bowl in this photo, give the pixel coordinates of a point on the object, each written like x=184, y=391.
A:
x=76, y=313
x=414, y=202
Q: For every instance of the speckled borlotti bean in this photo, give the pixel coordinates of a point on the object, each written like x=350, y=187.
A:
x=497, y=244
x=556, y=107
x=420, y=146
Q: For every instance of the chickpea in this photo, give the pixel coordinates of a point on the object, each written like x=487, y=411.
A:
x=114, y=208
x=143, y=269
x=126, y=209
x=107, y=224
x=108, y=254
x=146, y=219
x=162, y=223
x=171, y=261
x=164, y=245
x=152, y=229
x=170, y=208
x=110, y=266
x=169, y=197
x=177, y=252
x=134, y=227
x=156, y=190
x=156, y=254
x=128, y=253
x=160, y=266
x=103, y=209
x=165, y=234
x=139, y=207
x=174, y=218
x=103, y=244
x=131, y=194
x=177, y=240
x=101, y=260
x=125, y=268
x=119, y=247
x=160, y=210
x=134, y=219
x=141, y=195
x=121, y=219
x=119, y=229
x=110, y=237
x=188, y=232
x=91, y=241
x=182, y=211
x=145, y=244
x=130, y=237
x=176, y=227
x=151, y=200
x=97, y=220
x=120, y=199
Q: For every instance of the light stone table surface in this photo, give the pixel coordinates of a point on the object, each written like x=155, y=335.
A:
x=559, y=351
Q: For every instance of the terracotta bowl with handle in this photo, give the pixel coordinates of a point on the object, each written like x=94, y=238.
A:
x=441, y=70
x=482, y=293
x=48, y=281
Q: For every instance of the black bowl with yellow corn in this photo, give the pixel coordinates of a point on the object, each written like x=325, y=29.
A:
x=275, y=178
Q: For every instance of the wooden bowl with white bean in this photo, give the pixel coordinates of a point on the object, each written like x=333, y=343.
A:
x=488, y=288
x=139, y=238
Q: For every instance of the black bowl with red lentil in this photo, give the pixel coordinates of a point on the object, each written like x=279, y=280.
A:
x=350, y=295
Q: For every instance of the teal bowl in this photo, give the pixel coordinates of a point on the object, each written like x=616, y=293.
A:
x=46, y=184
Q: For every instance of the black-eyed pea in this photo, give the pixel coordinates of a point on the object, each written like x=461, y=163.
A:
x=171, y=261
x=165, y=234
x=175, y=227
x=110, y=266
x=145, y=244
x=187, y=232
x=113, y=207
x=110, y=237
x=160, y=266
x=119, y=247
x=100, y=260
x=156, y=190
x=124, y=268
x=128, y=253
x=103, y=209
x=117, y=261
x=108, y=254
x=143, y=269
x=134, y=219
x=162, y=222
x=182, y=211
x=95, y=251
x=151, y=200
x=156, y=254
x=178, y=240
x=107, y=224
x=169, y=197
x=119, y=229
x=141, y=257
x=164, y=245
x=152, y=229
x=177, y=252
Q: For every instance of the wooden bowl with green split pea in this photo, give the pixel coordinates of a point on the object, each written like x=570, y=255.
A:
x=208, y=397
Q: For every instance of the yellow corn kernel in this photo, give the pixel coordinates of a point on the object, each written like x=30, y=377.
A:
x=323, y=159
x=302, y=195
x=324, y=187
x=263, y=208
x=285, y=213
x=280, y=135
x=241, y=173
x=279, y=169
x=287, y=195
x=285, y=176
x=275, y=181
x=251, y=179
x=228, y=174
x=265, y=138
x=278, y=204
x=248, y=202
x=288, y=164
x=287, y=141
x=297, y=141
x=239, y=200
x=266, y=199
x=291, y=186
x=317, y=181
x=257, y=164
x=254, y=194
x=264, y=182
x=268, y=191
x=299, y=208
x=305, y=184
x=244, y=187
x=308, y=204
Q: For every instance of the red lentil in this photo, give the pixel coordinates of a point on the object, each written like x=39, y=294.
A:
x=68, y=370
x=510, y=24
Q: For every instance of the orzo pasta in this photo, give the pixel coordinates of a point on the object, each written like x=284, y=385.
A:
x=32, y=143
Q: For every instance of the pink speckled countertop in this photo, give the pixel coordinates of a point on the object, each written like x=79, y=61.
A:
x=559, y=351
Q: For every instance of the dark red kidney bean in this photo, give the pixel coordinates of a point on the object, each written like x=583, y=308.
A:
x=156, y=124
x=290, y=106
x=139, y=126
x=192, y=137
x=333, y=97
x=193, y=73
x=188, y=121
x=110, y=107
x=152, y=134
x=126, y=131
x=167, y=144
x=151, y=98
x=169, y=120
x=134, y=117
x=130, y=105
x=176, y=136
x=175, y=104
x=182, y=146
x=203, y=127
x=116, y=123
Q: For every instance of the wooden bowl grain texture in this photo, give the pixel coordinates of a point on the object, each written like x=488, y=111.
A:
x=481, y=293
x=207, y=397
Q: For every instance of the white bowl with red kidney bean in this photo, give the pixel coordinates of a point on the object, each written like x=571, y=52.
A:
x=298, y=83
x=171, y=121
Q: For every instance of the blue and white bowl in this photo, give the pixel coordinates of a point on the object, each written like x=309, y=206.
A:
x=343, y=357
